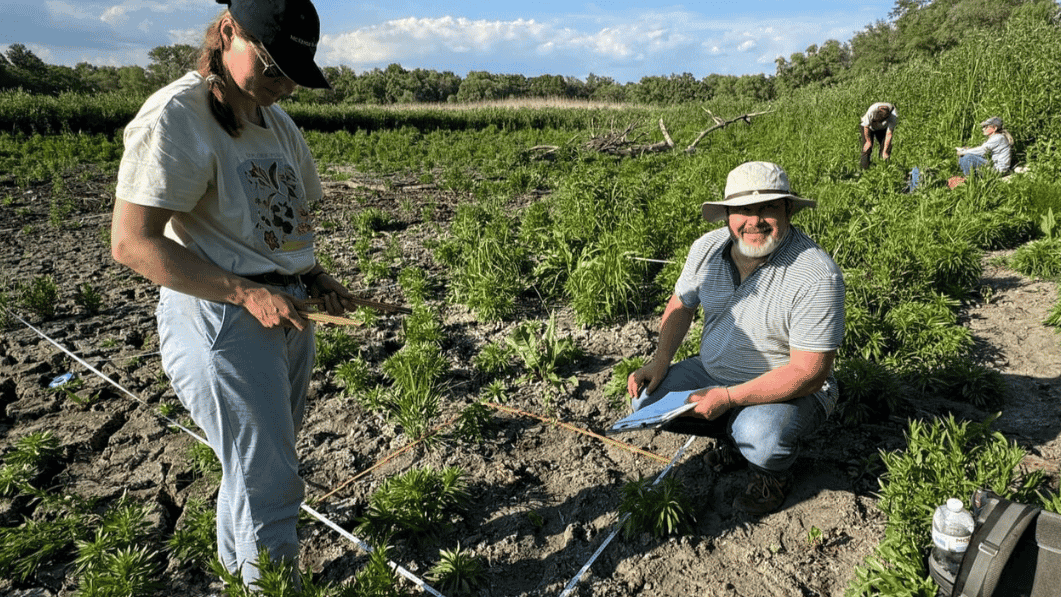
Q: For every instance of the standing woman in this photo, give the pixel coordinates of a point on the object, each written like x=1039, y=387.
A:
x=999, y=145
x=878, y=123
x=213, y=199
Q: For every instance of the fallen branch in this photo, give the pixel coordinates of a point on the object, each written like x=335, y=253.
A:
x=721, y=124
x=620, y=143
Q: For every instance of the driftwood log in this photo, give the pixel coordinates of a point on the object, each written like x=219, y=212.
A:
x=625, y=142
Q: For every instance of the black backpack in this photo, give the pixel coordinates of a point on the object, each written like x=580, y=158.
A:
x=1015, y=551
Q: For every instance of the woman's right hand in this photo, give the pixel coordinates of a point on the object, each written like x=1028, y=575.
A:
x=274, y=309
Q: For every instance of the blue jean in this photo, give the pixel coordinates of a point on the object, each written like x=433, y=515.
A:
x=245, y=387
x=970, y=162
x=767, y=435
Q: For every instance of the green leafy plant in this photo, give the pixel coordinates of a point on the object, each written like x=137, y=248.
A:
x=1038, y=259
x=494, y=359
x=869, y=391
x=195, y=540
x=25, y=548
x=370, y=220
x=204, y=462
x=334, y=346
x=40, y=296
x=544, y=353
x=117, y=561
x=496, y=391
x=1054, y=318
x=943, y=458
x=815, y=537
x=474, y=422
x=418, y=504
x=353, y=376
x=6, y=319
x=37, y=450
x=88, y=298
x=961, y=378
x=415, y=283
x=457, y=572
x=422, y=325
x=1048, y=224
x=660, y=510
x=615, y=390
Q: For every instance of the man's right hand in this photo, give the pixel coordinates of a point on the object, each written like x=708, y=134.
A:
x=646, y=378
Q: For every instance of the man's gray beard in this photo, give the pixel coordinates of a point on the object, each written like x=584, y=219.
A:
x=761, y=251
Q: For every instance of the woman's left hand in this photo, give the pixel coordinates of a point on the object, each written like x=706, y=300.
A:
x=336, y=296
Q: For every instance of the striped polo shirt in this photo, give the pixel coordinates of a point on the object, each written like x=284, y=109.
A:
x=794, y=300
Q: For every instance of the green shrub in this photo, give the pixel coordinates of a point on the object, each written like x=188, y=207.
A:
x=418, y=505
x=868, y=391
x=943, y=459
x=334, y=346
x=458, y=572
x=615, y=389
x=494, y=359
x=1038, y=259
x=40, y=296
x=660, y=510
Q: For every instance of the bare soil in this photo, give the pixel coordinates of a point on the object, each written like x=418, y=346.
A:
x=544, y=496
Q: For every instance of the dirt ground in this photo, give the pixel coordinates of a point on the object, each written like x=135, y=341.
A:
x=544, y=496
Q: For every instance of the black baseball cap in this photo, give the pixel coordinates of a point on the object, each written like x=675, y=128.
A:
x=289, y=30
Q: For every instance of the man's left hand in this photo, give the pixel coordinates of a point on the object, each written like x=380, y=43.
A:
x=711, y=403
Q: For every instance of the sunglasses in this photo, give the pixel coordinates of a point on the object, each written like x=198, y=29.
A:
x=270, y=69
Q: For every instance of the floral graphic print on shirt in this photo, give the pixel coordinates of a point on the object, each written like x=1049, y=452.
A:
x=277, y=197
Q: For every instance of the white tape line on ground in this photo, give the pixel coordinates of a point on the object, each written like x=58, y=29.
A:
x=574, y=581
x=338, y=529
x=364, y=546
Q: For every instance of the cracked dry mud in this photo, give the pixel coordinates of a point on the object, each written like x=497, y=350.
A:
x=525, y=469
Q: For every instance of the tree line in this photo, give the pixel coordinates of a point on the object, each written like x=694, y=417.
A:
x=915, y=29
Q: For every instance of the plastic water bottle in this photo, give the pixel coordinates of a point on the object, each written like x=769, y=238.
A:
x=952, y=527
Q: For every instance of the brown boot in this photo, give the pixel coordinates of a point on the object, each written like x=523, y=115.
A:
x=724, y=457
x=764, y=494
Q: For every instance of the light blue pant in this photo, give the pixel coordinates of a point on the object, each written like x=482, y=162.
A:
x=767, y=435
x=970, y=162
x=245, y=387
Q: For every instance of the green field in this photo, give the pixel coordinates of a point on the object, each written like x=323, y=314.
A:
x=910, y=258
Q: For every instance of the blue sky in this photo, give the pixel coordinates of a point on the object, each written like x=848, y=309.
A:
x=620, y=39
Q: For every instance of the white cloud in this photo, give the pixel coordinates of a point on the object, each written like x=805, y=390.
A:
x=64, y=11
x=413, y=38
x=191, y=37
x=115, y=15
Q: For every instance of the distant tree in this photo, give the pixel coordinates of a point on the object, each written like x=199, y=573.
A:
x=97, y=79
x=22, y=69
x=818, y=66
x=756, y=87
x=134, y=80
x=479, y=86
x=169, y=63
x=21, y=57
x=548, y=86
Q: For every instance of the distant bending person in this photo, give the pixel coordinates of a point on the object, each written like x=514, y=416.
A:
x=773, y=310
x=999, y=146
x=878, y=123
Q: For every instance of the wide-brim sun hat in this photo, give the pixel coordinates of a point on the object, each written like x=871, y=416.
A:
x=994, y=121
x=751, y=183
x=289, y=30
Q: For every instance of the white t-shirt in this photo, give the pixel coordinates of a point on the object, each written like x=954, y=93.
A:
x=890, y=122
x=242, y=203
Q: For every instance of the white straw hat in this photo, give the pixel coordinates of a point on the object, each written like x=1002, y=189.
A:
x=751, y=183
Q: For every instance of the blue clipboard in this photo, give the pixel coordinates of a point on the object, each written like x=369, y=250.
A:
x=656, y=414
